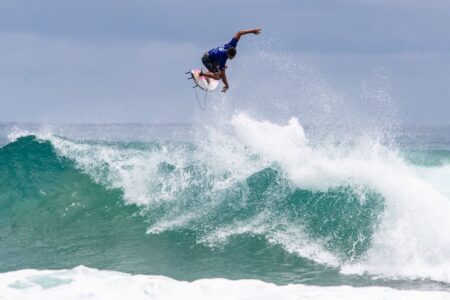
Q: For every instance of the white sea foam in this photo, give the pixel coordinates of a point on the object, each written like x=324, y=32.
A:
x=17, y=132
x=86, y=283
x=436, y=176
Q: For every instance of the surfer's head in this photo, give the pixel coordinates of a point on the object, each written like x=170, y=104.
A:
x=231, y=52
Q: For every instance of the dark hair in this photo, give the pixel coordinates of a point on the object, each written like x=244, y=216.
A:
x=231, y=52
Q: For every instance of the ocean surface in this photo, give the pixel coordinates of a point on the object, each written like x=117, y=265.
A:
x=245, y=208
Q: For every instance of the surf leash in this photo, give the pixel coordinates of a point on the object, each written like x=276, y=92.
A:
x=202, y=107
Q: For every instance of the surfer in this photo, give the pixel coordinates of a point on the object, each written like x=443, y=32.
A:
x=216, y=58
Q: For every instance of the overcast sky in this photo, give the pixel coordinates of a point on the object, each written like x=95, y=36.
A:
x=124, y=61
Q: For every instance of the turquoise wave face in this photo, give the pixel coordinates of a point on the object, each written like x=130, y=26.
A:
x=54, y=215
x=51, y=214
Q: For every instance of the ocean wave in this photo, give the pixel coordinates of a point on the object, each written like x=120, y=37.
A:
x=361, y=209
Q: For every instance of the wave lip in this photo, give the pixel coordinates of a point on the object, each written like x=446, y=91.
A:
x=86, y=283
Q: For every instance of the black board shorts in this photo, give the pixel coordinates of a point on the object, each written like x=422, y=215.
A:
x=209, y=64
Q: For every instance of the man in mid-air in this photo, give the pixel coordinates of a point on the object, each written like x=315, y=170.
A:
x=216, y=58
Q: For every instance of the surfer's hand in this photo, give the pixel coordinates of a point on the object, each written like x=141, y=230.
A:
x=225, y=88
x=257, y=31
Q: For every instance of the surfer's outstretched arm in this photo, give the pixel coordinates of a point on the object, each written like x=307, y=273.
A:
x=246, y=31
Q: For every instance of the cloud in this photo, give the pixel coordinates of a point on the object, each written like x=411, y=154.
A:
x=315, y=26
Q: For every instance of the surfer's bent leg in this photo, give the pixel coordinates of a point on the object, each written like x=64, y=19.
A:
x=215, y=76
x=213, y=71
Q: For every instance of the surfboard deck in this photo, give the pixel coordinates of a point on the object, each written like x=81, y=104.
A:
x=207, y=84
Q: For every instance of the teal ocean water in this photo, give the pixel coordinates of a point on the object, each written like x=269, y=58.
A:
x=249, y=200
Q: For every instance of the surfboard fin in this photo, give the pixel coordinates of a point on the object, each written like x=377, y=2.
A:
x=192, y=75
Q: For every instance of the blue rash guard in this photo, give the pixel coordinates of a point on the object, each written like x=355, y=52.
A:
x=219, y=55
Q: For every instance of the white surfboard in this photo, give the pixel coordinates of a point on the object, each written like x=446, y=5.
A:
x=207, y=84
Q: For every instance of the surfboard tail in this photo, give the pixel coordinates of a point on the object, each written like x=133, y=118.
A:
x=202, y=82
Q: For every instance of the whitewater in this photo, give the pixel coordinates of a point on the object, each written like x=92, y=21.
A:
x=237, y=209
